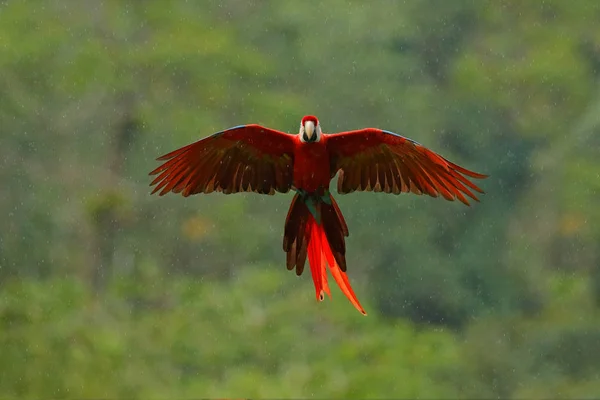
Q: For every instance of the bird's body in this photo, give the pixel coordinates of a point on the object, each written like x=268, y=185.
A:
x=311, y=166
x=252, y=158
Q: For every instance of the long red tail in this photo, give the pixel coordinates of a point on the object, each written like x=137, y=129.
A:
x=322, y=241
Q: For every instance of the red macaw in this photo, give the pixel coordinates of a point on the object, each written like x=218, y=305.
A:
x=252, y=158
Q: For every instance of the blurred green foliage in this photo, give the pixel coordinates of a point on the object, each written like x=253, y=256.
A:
x=106, y=291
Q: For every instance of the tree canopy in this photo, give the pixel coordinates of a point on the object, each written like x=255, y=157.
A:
x=106, y=291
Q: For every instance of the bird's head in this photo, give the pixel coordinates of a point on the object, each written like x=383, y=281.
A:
x=310, y=129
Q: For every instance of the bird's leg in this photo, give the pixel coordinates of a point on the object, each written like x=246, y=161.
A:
x=303, y=193
x=326, y=197
x=312, y=203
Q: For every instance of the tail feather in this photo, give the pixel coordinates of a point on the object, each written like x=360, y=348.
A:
x=341, y=278
x=315, y=258
x=334, y=230
x=322, y=242
x=338, y=212
x=295, y=240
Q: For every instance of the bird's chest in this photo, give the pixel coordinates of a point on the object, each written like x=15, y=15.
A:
x=311, y=167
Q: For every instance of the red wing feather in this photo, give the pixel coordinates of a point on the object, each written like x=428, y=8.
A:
x=248, y=158
x=381, y=161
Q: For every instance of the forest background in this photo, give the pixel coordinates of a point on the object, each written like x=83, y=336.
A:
x=106, y=291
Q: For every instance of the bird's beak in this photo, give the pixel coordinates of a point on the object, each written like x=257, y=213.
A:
x=309, y=129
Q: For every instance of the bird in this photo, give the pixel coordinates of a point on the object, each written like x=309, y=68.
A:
x=254, y=158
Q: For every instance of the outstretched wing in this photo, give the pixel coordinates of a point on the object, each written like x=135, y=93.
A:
x=380, y=161
x=246, y=158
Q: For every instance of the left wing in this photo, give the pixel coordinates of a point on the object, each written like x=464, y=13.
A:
x=380, y=161
x=246, y=158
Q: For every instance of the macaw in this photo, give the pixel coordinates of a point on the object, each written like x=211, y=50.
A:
x=253, y=158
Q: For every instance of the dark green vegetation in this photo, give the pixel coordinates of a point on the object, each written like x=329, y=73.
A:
x=106, y=291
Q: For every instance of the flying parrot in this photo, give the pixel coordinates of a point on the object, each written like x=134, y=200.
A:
x=252, y=158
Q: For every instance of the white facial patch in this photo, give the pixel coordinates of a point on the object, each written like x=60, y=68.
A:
x=309, y=132
x=301, y=133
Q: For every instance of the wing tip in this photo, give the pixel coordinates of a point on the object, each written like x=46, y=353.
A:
x=478, y=176
x=468, y=172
